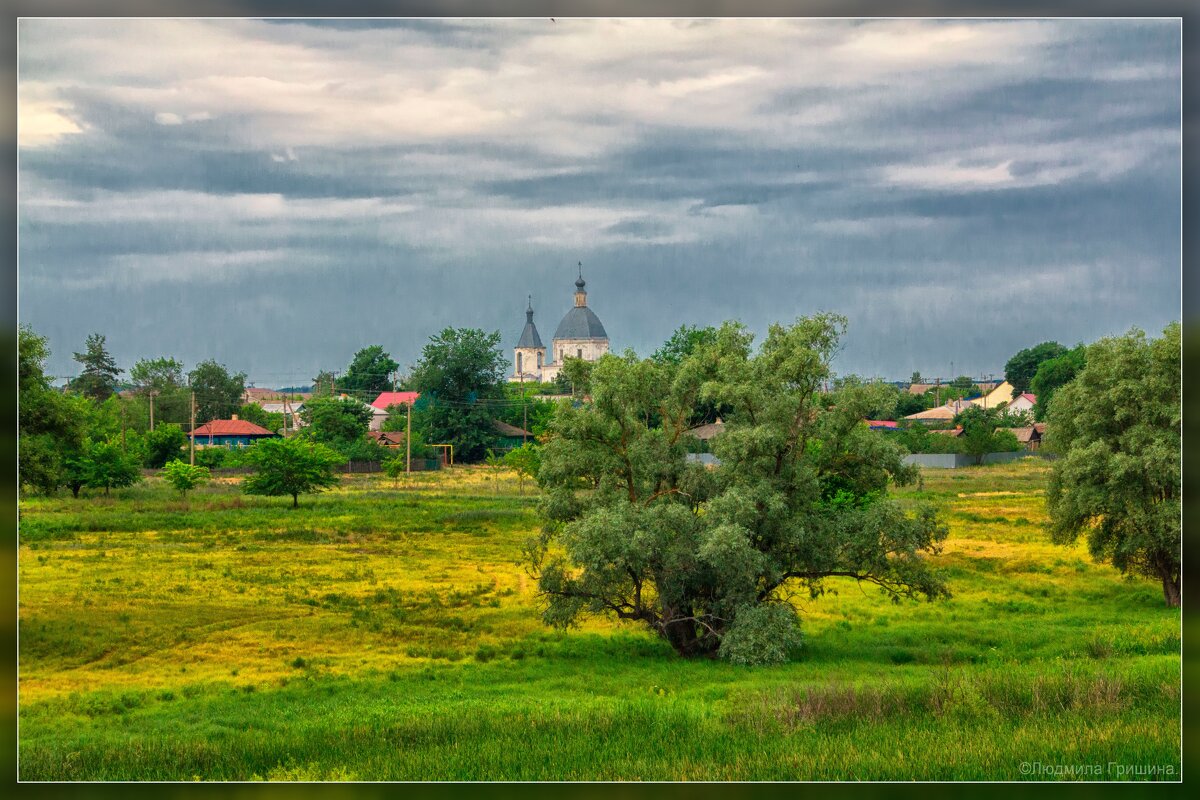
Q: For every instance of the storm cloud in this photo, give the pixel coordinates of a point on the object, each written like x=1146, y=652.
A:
x=277, y=194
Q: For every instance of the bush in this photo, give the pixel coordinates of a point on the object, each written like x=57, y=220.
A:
x=762, y=634
x=183, y=476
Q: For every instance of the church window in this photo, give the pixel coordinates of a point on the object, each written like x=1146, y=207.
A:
x=519, y=365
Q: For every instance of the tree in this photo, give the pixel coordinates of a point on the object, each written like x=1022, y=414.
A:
x=160, y=380
x=497, y=465
x=218, y=392
x=323, y=384
x=1053, y=374
x=708, y=558
x=98, y=380
x=575, y=376
x=908, y=403
x=525, y=461
x=103, y=465
x=50, y=424
x=460, y=371
x=290, y=467
x=916, y=378
x=335, y=421
x=1021, y=368
x=162, y=444
x=271, y=420
x=1117, y=428
x=184, y=476
x=980, y=435
x=686, y=340
x=369, y=373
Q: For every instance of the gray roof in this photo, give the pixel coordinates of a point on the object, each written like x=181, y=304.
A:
x=580, y=323
x=529, y=336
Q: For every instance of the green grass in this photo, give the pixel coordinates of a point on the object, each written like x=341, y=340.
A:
x=390, y=632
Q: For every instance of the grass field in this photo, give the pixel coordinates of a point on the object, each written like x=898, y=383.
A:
x=391, y=633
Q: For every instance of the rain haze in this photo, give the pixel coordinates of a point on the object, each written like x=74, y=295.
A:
x=278, y=194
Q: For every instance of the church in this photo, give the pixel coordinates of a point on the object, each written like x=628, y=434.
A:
x=579, y=335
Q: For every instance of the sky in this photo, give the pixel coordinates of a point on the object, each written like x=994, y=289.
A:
x=277, y=194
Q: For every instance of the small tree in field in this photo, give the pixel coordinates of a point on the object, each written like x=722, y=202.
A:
x=1117, y=427
x=709, y=559
x=496, y=462
x=184, y=476
x=525, y=460
x=395, y=468
x=291, y=467
x=103, y=465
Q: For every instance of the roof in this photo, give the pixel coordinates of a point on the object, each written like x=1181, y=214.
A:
x=231, y=427
x=529, y=335
x=580, y=323
x=1024, y=435
x=504, y=429
x=1027, y=396
x=705, y=432
x=386, y=399
x=706, y=459
x=950, y=432
x=879, y=423
x=387, y=438
x=947, y=411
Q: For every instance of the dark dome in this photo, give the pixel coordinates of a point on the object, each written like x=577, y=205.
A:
x=580, y=323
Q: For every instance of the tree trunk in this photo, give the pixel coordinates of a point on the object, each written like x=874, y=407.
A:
x=295, y=501
x=1170, y=586
x=75, y=490
x=1170, y=581
x=682, y=635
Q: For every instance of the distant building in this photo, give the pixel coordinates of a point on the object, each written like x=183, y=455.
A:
x=231, y=432
x=1030, y=436
x=510, y=436
x=579, y=335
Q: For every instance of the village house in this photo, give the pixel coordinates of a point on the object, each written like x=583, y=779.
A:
x=231, y=432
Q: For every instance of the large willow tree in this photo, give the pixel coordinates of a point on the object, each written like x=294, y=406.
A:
x=708, y=558
x=1118, y=428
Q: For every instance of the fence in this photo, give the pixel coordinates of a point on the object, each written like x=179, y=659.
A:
x=350, y=467
x=956, y=460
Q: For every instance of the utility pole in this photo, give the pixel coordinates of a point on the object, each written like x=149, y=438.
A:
x=122, y=423
x=393, y=380
x=938, y=390
x=192, y=436
x=152, y=393
x=524, y=421
x=408, y=441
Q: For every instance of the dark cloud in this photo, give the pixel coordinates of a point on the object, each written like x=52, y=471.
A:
x=277, y=194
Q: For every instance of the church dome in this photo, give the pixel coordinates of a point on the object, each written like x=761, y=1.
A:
x=580, y=323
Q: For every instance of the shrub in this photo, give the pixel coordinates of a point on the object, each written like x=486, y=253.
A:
x=762, y=634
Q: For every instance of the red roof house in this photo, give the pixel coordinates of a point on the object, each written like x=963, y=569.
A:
x=386, y=399
x=230, y=433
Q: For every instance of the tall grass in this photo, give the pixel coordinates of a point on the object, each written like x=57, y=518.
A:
x=382, y=632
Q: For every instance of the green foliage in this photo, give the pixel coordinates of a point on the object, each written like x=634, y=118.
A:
x=51, y=426
x=799, y=496
x=290, y=467
x=104, y=465
x=916, y=378
x=908, y=403
x=917, y=437
x=762, y=634
x=218, y=391
x=271, y=420
x=1021, y=368
x=323, y=384
x=336, y=421
x=370, y=372
x=686, y=340
x=1053, y=374
x=575, y=377
x=184, y=476
x=162, y=444
x=1118, y=427
x=460, y=369
x=98, y=378
x=526, y=460
x=213, y=457
x=979, y=435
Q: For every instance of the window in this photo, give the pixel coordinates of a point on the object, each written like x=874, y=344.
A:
x=579, y=353
x=539, y=360
x=519, y=364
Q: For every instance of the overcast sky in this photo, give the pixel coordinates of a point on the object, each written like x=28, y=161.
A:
x=278, y=194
